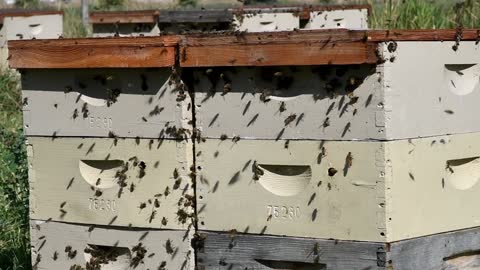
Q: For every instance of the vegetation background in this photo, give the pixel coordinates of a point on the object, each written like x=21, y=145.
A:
x=14, y=228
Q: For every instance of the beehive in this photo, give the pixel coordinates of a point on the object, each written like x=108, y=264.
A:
x=58, y=245
x=250, y=19
x=21, y=24
x=453, y=251
x=125, y=23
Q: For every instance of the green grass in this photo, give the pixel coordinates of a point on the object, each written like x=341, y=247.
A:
x=14, y=229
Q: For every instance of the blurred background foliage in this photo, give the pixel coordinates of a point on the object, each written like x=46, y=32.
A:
x=14, y=228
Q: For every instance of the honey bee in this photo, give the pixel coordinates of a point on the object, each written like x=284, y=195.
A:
x=98, y=193
x=142, y=205
x=164, y=221
x=166, y=192
x=449, y=111
x=55, y=256
x=98, y=182
x=132, y=187
x=175, y=173
x=223, y=137
x=287, y=143
x=75, y=114
x=152, y=216
x=168, y=247
x=257, y=172
x=236, y=139
x=156, y=203
x=411, y=176
x=332, y=171
x=63, y=204
x=283, y=107
x=85, y=112
x=290, y=119
x=227, y=87
x=349, y=160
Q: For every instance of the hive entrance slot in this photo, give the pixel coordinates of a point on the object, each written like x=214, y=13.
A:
x=282, y=265
x=284, y=180
x=108, y=257
x=463, y=173
x=100, y=173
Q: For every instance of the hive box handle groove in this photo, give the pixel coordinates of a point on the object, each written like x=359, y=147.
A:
x=462, y=79
x=105, y=170
x=463, y=173
x=285, y=180
x=284, y=265
x=108, y=257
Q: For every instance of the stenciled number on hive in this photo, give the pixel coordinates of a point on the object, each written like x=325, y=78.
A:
x=102, y=205
x=283, y=212
x=100, y=122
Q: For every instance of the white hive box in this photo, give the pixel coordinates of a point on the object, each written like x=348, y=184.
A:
x=125, y=23
x=125, y=89
x=83, y=102
x=271, y=19
x=350, y=190
x=139, y=183
x=17, y=25
x=329, y=89
x=58, y=245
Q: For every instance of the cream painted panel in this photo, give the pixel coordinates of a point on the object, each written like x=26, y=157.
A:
x=97, y=102
x=61, y=246
x=430, y=89
x=348, y=18
x=295, y=196
x=81, y=180
x=329, y=102
x=39, y=27
x=266, y=22
x=125, y=30
x=435, y=185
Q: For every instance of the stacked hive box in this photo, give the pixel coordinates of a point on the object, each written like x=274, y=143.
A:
x=250, y=19
x=369, y=139
x=21, y=24
x=109, y=157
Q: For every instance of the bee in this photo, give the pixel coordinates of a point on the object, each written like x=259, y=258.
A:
x=156, y=111
x=151, y=255
x=75, y=114
x=332, y=171
x=90, y=228
x=168, y=247
x=392, y=47
x=177, y=183
x=175, y=173
x=269, y=217
x=223, y=137
x=283, y=107
x=98, y=193
x=152, y=216
x=411, y=176
x=316, y=249
x=142, y=205
x=63, y=204
x=349, y=160
x=156, y=203
x=326, y=122
x=164, y=221
x=290, y=119
x=55, y=256
x=227, y=87
x=236, y=139
x=67, y=89
x=443, y=182
x=85, y=112
x=142, y=166
x=167, y=191
x=63, y=213
x=353, y=100
x=329, y=186
x=354, y=111
x=287, y=143
x=144, y=119
x=132, y=187
x=299, y=119
x=257, y=172
x=449, y=168
x=37, y=261
x=98, y=182
x=25, y=101
x=137, y=140
x=449, y=111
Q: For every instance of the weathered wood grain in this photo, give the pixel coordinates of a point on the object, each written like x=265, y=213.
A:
x=124, y=17
x=241, y=251
x=424, y=35
x=195, y=16
x=457, y=250
x=57, y=245
x=93, y=53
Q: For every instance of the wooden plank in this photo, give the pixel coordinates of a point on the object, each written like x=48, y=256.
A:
x=57, y=245
x=423, y=35
x=457, y=250
x=282, y=48
x=242, y=251
x=195, y=16
x=278, y=54
x=124, y=17
x=89, y=53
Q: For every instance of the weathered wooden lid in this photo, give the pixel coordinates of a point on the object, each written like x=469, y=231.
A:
x=120, y=17
x=93, y=52
x=313, y=47
x=25, y=13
